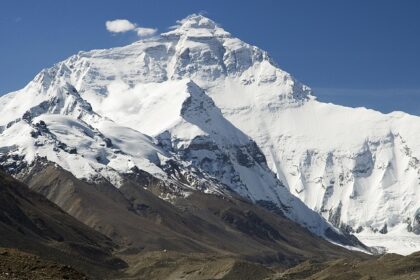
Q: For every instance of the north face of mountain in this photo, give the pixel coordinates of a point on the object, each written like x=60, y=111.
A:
x=195, y=147
x=356, y=167
x=248, y=122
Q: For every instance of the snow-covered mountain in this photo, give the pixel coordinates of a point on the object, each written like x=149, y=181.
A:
x=230, y=119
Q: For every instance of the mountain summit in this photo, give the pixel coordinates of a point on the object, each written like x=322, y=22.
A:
x=197, y=25
x=200, y=110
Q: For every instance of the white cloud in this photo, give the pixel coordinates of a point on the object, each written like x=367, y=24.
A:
x=119, y=25
x=124, y=25
x=145, y=31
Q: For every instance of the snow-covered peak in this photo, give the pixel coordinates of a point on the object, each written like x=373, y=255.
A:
x=197, y=49
x=197, y=21
x=215, y=105
x=197, y=25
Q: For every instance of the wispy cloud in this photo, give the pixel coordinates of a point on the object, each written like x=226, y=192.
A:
x=119, y=25
x=145, y=31
x=124, y=25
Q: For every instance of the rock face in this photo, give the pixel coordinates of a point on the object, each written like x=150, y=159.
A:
x=201, y=110
x=137, y=218
x=30, y=222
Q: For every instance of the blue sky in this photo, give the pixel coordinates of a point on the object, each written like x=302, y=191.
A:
x=354, y=52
